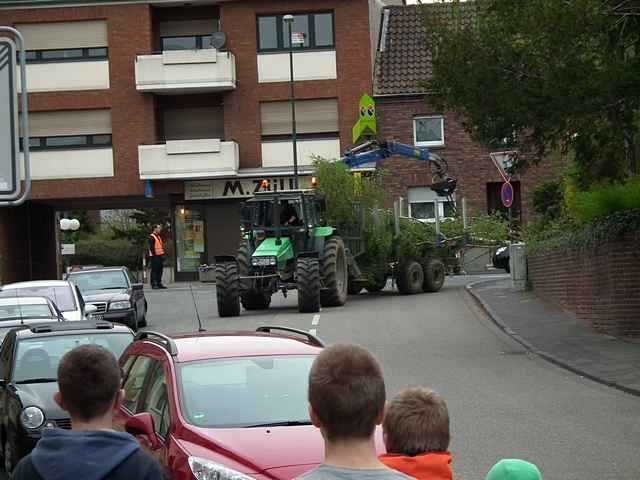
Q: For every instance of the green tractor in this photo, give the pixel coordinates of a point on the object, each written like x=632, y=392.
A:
x=286, y=245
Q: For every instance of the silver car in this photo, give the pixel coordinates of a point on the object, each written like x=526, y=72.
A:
x=31, y=311
x=63, y=293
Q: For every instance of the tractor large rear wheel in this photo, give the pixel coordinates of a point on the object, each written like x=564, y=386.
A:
x=335, y=273
x=434, y=272
x=308, y=283
x=410, y=278
x=228, y=289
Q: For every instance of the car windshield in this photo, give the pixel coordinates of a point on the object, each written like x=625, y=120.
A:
x=38, y=358
x=106, y=280
x=247, y=391
x=62, y=296
x=13, y=312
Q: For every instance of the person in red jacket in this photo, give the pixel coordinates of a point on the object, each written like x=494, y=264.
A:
x=416, y=435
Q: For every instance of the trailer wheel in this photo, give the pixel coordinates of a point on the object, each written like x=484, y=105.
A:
x=335, y=273
x=410, y=278
x=308, y=283
x=253, y=300
x=228, y=289
x=434, y=272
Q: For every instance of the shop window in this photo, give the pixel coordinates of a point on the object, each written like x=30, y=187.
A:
x=424, y=202
x=190, y=239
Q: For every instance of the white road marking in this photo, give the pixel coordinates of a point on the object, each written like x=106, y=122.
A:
x=313, y=332
x=316, y=319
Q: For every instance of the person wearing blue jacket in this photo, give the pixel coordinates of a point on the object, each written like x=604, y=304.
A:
x=90, y=390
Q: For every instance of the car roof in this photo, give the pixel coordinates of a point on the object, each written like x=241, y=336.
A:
x=214, y=345
x=69, y=327
x=37, y=283
x=96, y=269
x=24, y=301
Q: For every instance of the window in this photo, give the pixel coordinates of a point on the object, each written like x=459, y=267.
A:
x=423, y=203
x=66, y=55
x=186, y=42
x=106, y=280
x=314, y=119
x=157, y=402
x=317, y=28
x=61, y=296
x=68, y=142
x=134, y=383
x=428, y=131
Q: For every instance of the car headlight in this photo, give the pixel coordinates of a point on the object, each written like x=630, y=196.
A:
x=264, y=261
x=119, y=305
x=204, y=469
x=32, y=417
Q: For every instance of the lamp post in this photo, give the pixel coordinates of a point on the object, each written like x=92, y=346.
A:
x=288, y=19
x=68, y=225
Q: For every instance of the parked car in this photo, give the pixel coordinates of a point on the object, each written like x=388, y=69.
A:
x=115, y=295
x=30, y=311
x=62, y=292
x=29, y=360
x=226, y=405
x=500, y=259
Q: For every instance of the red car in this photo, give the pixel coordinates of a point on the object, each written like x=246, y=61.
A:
x=224, y=406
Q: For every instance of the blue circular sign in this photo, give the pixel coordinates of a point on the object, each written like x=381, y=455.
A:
x=506, y=194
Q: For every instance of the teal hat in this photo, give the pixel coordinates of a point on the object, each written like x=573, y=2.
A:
x=513, y=469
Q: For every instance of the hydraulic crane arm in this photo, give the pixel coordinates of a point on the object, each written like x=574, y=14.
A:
x=374, y=151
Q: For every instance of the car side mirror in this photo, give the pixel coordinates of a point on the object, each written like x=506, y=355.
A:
x=89, y=309
x=142, y=427
x=137, y=286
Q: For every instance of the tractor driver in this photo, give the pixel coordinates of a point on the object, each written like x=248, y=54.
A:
x=289, y=216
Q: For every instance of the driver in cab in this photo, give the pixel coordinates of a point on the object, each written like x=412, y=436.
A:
x=289, y=216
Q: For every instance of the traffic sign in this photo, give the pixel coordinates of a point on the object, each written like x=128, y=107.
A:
x=9, y=149
x=506, y=194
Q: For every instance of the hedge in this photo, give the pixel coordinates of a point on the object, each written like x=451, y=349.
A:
x=107, y=253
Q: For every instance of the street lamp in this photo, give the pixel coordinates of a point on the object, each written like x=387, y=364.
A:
x=68, y=225
x=288, y=19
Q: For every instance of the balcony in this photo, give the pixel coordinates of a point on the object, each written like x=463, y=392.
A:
x=186, y=71
x=71, y=164
x=192, y=159
x=279, y=154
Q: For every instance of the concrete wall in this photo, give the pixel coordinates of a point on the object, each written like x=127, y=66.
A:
x=600, y=285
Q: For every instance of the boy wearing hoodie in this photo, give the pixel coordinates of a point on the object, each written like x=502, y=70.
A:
x=416, y=435
x=89, y=379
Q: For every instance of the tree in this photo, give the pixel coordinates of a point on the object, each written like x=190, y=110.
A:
x=541, y=75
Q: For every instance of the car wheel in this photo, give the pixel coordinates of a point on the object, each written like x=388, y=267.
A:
x=143, y=320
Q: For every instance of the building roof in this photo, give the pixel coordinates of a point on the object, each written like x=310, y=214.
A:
x=402, y=60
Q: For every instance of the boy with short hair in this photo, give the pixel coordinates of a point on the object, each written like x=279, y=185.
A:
x=89, y=378
x=416, y=435
x=347, y=397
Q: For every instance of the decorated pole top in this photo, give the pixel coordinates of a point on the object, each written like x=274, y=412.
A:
x=366, y=124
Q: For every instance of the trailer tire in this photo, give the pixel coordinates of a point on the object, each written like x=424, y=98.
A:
x=228, y=289
x=434, y=273
x=308, y=283
x=255, y=300
x=335, y=273
x=410, y=278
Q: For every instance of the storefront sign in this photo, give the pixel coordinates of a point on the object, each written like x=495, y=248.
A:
x=238, y=187
x=68, y=249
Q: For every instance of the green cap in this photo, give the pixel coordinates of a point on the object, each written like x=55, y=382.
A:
x=513, y=469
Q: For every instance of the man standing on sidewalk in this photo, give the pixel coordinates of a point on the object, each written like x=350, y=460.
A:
x=156, y=254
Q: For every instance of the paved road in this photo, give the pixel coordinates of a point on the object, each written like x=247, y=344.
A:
x=503, y=402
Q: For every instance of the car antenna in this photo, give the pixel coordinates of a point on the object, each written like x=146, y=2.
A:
x=195, y=305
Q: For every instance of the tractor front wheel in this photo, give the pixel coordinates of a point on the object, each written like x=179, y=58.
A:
x=308, y=283
x=335, y=273
x=410, y=278
x=228, y=289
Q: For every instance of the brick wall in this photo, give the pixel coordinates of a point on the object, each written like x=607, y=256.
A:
x=132, y=113
x=601, y=286
x=468, y=161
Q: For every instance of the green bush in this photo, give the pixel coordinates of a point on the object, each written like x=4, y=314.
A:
x=99, y=251
x=548, y=200
x=602, y=200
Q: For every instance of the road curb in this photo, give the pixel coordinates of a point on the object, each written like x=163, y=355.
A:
x=495, y=318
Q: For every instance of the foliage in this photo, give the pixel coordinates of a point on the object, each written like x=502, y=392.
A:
x=603, y=199
x=143, y=221
x=107, y=252
x=564, y=236
x=541, y=75
x=548, y=200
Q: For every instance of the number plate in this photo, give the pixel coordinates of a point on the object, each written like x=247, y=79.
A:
x=97, y=317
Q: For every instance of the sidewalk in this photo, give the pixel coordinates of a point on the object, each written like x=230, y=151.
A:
x=559, y=337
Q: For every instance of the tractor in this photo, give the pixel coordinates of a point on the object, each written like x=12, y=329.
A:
x=286, y=245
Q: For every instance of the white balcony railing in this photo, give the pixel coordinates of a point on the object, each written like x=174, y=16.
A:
x=280, y=153
x=188, y=159
x=186, y=71
x=67, y=164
